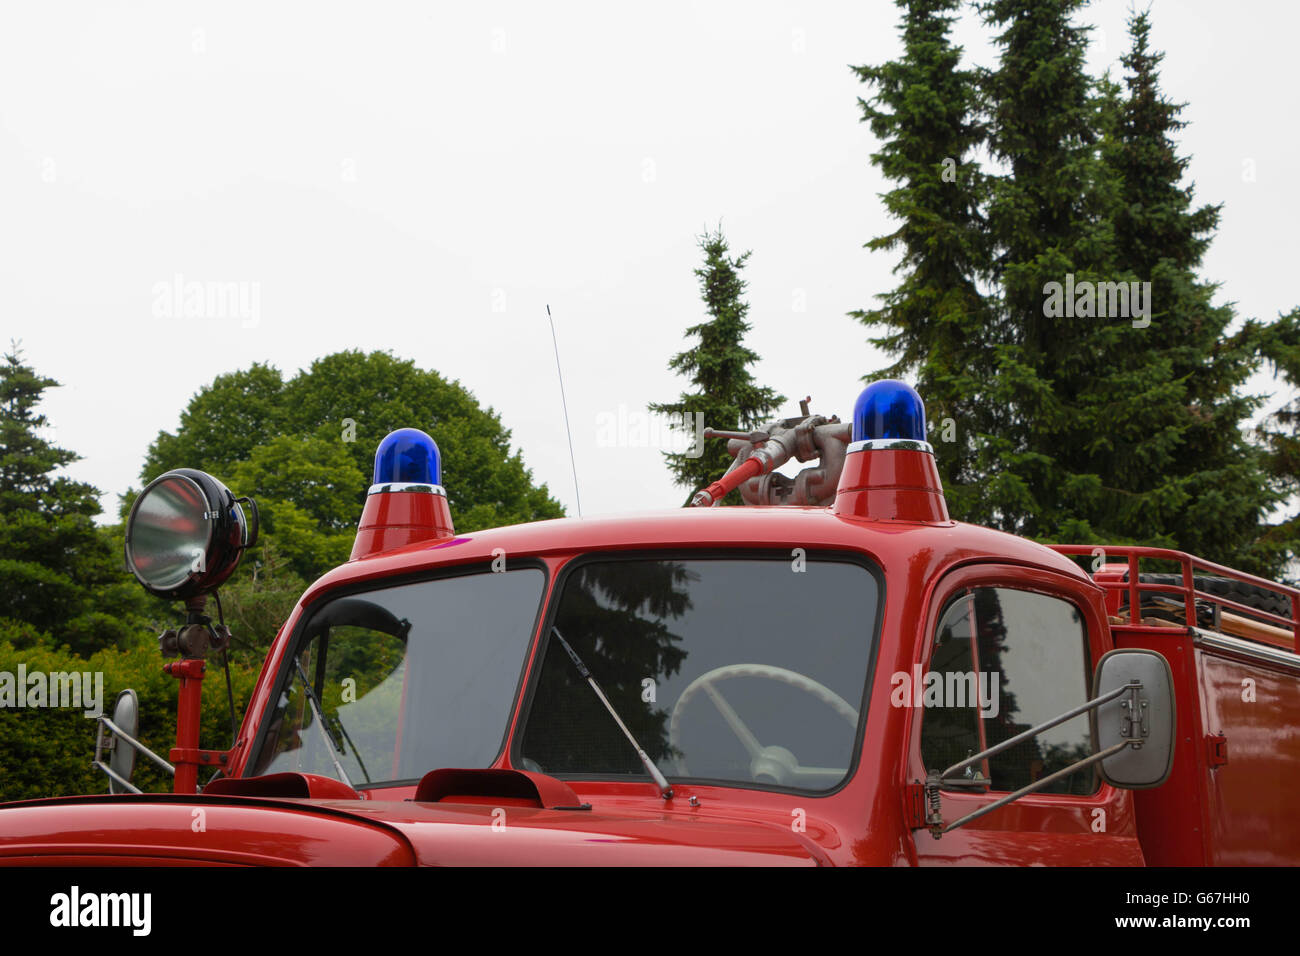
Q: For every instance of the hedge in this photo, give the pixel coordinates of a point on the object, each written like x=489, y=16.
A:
x=49, y=751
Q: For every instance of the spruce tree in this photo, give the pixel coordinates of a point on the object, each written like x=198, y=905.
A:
x=1047, y=220
x=1191, y=477
x=724, y=394
x=937, y=322
x=1279, y=435
x=1082, y=424
x=61, y=577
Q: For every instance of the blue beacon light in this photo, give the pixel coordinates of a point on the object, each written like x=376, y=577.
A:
x=408, y=456
x=886, y=410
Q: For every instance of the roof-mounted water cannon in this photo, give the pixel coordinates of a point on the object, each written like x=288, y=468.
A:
x=406, y=502
x=759, y=453
x=879, y=466
x=889, y=473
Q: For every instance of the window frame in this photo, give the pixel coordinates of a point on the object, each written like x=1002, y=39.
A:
x=872, y=635
x=1085, y=596
x=295, y=641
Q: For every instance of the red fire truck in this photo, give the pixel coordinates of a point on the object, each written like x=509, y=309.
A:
x=837, y=673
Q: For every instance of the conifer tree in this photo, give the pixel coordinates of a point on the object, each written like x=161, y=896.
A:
x=724, y=394
x=1192, y=477
x=1105, y=420
x=936, y=321
x=61, y=577
x=1279, y=435
x=1046, y=218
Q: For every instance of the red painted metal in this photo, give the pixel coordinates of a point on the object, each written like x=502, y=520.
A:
x=533, y=789
x=185, y=755
x=158, y=828
x=890, y=511
x=750, y=468
x=303, y=785
x=1040, y=829
x=891, y=484
x=1216, y=746
x=394, y=519
x=1251, y=706
x=1190, y=565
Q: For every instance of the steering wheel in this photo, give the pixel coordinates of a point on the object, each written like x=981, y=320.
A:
x=766, y=764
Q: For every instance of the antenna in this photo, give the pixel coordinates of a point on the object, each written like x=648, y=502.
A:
x=572, y=462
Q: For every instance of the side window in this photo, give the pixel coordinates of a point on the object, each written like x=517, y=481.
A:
x=358, y=681
x=1003, y=661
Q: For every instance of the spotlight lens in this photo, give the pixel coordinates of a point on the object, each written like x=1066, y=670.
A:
x=185, y=534
x=169, y=532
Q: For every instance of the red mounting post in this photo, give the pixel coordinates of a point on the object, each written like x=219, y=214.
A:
x=184, y=755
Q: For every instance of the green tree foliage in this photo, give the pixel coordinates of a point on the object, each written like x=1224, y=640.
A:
x=257, y=601
x=61, y=577
x=47, y=752
x=304, y=449
x=1083, y=424
x=724, y=394
x=1279, y=434
x=924, y=111
x=1046, y=219
x=1178, y=445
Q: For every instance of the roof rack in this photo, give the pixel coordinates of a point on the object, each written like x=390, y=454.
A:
x=1120, y=578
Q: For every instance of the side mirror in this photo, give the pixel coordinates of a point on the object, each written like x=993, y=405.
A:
x=121, y=755
x=1145, y=718
x=1132, y=724
x=117, y=735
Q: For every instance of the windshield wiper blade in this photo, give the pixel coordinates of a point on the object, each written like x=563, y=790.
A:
x=655, y=774
x=327, y=732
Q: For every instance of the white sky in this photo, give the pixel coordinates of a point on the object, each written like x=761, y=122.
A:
x=426, y=178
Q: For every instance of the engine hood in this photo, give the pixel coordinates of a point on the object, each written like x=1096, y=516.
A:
x=164, y=829
x=159, y=829
x=447, y=834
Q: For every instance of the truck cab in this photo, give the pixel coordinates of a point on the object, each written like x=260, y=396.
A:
x=839, y=675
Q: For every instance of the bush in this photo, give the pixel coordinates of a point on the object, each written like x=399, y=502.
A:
x=49, y=751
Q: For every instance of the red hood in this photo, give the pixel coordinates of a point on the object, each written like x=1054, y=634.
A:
x=467, y=834
x=161, y=828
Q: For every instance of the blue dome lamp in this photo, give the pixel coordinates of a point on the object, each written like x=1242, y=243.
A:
x=407, y=457
x=406, y=502
x=889, y=472
x=889, y=411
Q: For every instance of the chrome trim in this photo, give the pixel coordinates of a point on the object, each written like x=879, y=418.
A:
x=1240, y=647
x=905, y=444
x=417, y=486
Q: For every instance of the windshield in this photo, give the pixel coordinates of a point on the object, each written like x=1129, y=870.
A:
x=740, y=671
x=392, y=683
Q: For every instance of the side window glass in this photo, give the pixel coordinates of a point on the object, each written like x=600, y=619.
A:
x=358, y=682
x=1003, y=661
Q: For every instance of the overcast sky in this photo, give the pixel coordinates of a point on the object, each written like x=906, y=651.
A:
x=425, y=178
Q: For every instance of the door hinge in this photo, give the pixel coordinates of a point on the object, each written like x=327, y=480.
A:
x=1217, y=749
x=914, y=805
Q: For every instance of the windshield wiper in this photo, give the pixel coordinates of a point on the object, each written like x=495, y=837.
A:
x=326, y=731
x=660, y=780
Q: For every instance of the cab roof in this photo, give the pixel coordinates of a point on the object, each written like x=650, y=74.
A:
x=768, y=528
